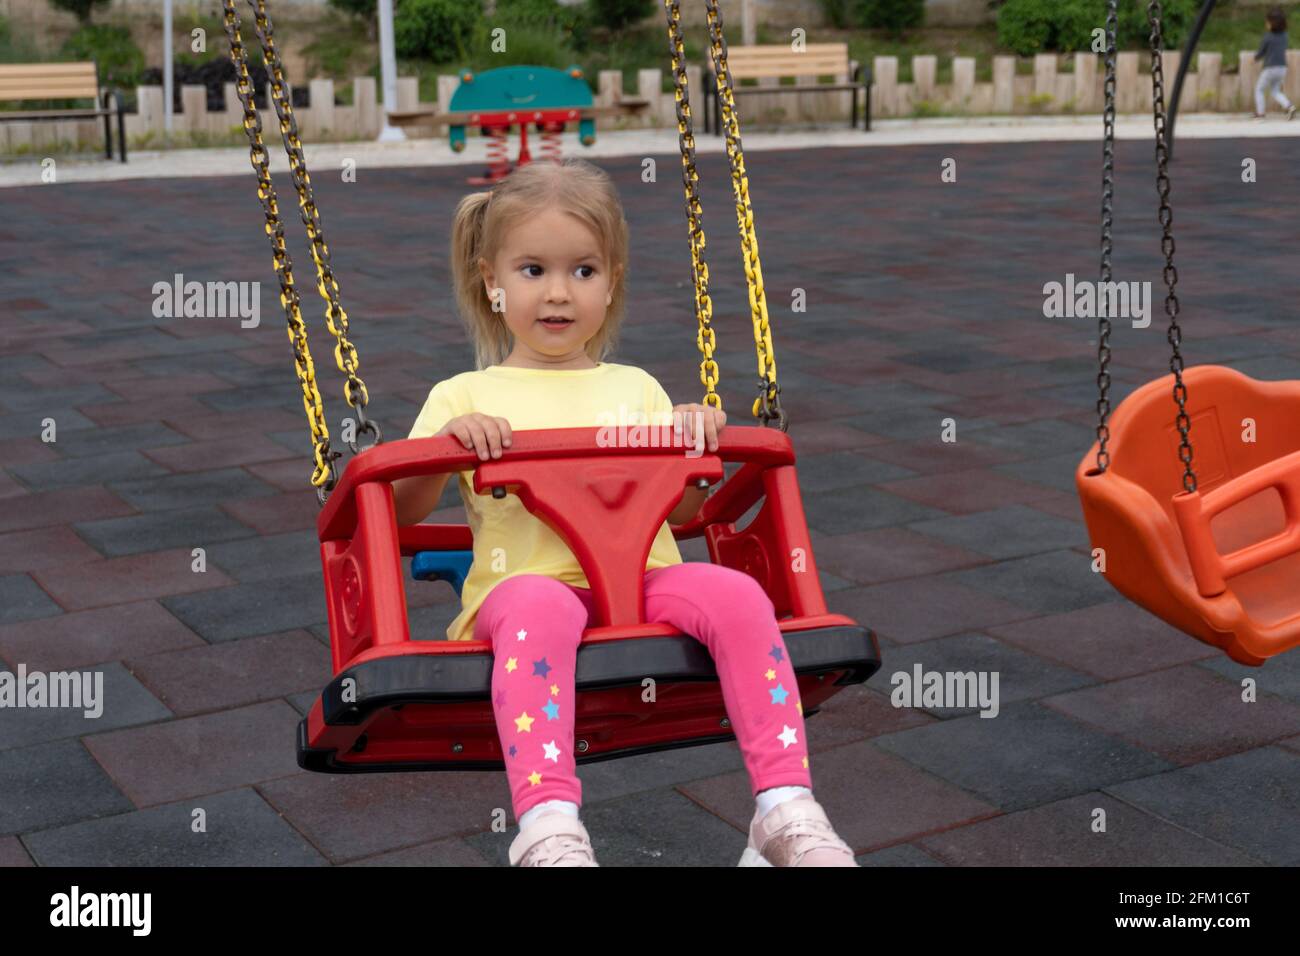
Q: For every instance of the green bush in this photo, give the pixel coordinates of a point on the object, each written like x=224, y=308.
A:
x=892, y=15
x=79, y=8
x=838, y=13
x=570, y=25
x=367, y=10
x=617, y=14
x=538, y=12
x=1176, y=22
x=120, y=61
x=437, y=30
x=14, y=49
x=1026, y=27
x=526, y=45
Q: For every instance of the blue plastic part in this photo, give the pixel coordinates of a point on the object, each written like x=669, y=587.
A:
x=520, y=88
x=451, y=566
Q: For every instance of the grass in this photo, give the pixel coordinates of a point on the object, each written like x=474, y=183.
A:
x=1231, y=29
x=61, y=147
x=340, y=49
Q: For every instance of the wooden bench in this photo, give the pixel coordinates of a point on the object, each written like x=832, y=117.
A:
x=779, y=60
x=62, y=81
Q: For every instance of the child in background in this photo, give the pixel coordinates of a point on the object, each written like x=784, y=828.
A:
x=1272, y=50
x=549, y=243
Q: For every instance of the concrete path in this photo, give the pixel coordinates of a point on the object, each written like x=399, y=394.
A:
x=157, y=164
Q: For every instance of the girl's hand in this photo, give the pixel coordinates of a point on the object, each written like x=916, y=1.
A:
x=712, y=419
x=482, y=432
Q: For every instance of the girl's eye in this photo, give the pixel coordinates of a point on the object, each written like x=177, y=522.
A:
x=533, y=275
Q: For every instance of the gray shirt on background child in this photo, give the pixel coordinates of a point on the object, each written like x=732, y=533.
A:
x=1272, y=49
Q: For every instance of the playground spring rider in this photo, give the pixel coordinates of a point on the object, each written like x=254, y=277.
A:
x=398, y=704
x=496, y=100
x=1218, y=557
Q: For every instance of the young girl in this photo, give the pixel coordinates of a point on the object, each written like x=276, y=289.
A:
x=1272, y=50
x=548, y=248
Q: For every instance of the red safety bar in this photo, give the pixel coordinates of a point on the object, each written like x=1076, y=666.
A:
x=581, y=490
x=421, y=708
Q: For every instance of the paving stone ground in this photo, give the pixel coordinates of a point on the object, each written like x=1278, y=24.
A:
x=924, y=303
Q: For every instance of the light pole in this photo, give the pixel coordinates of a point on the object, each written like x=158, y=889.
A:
x=167, y=66
x=388, y=72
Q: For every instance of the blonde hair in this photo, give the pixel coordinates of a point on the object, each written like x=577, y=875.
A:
x=483, y=219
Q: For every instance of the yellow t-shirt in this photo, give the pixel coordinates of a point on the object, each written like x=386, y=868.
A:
x=530, y=398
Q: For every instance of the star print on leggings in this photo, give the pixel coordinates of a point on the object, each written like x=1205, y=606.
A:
x=541, y=668
x=775, y=653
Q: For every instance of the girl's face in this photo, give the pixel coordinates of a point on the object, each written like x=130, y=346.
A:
x=550, y=266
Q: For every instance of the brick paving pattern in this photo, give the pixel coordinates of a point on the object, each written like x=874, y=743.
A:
x=924, y=303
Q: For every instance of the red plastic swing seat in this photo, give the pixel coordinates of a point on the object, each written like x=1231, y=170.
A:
x=1223, y=563
x=402, y=704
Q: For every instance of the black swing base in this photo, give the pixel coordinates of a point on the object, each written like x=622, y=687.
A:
x=442, y=702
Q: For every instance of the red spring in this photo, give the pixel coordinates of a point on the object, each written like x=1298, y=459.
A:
x=498, y=152
x=551, y=144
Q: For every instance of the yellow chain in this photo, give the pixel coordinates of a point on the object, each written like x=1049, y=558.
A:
x=768, y=405
x=699, y=268
x=345, y=355
x=323, y=475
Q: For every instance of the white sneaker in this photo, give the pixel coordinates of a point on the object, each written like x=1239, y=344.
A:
x=795, y=833
x=553, y=839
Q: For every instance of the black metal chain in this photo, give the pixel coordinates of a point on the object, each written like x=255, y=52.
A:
x=1107, y=221
x=1174, y=335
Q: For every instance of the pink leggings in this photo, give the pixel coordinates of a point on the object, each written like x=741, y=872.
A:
x=535, y=624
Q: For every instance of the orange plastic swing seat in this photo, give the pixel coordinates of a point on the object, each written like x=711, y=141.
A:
x=1221, y=563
